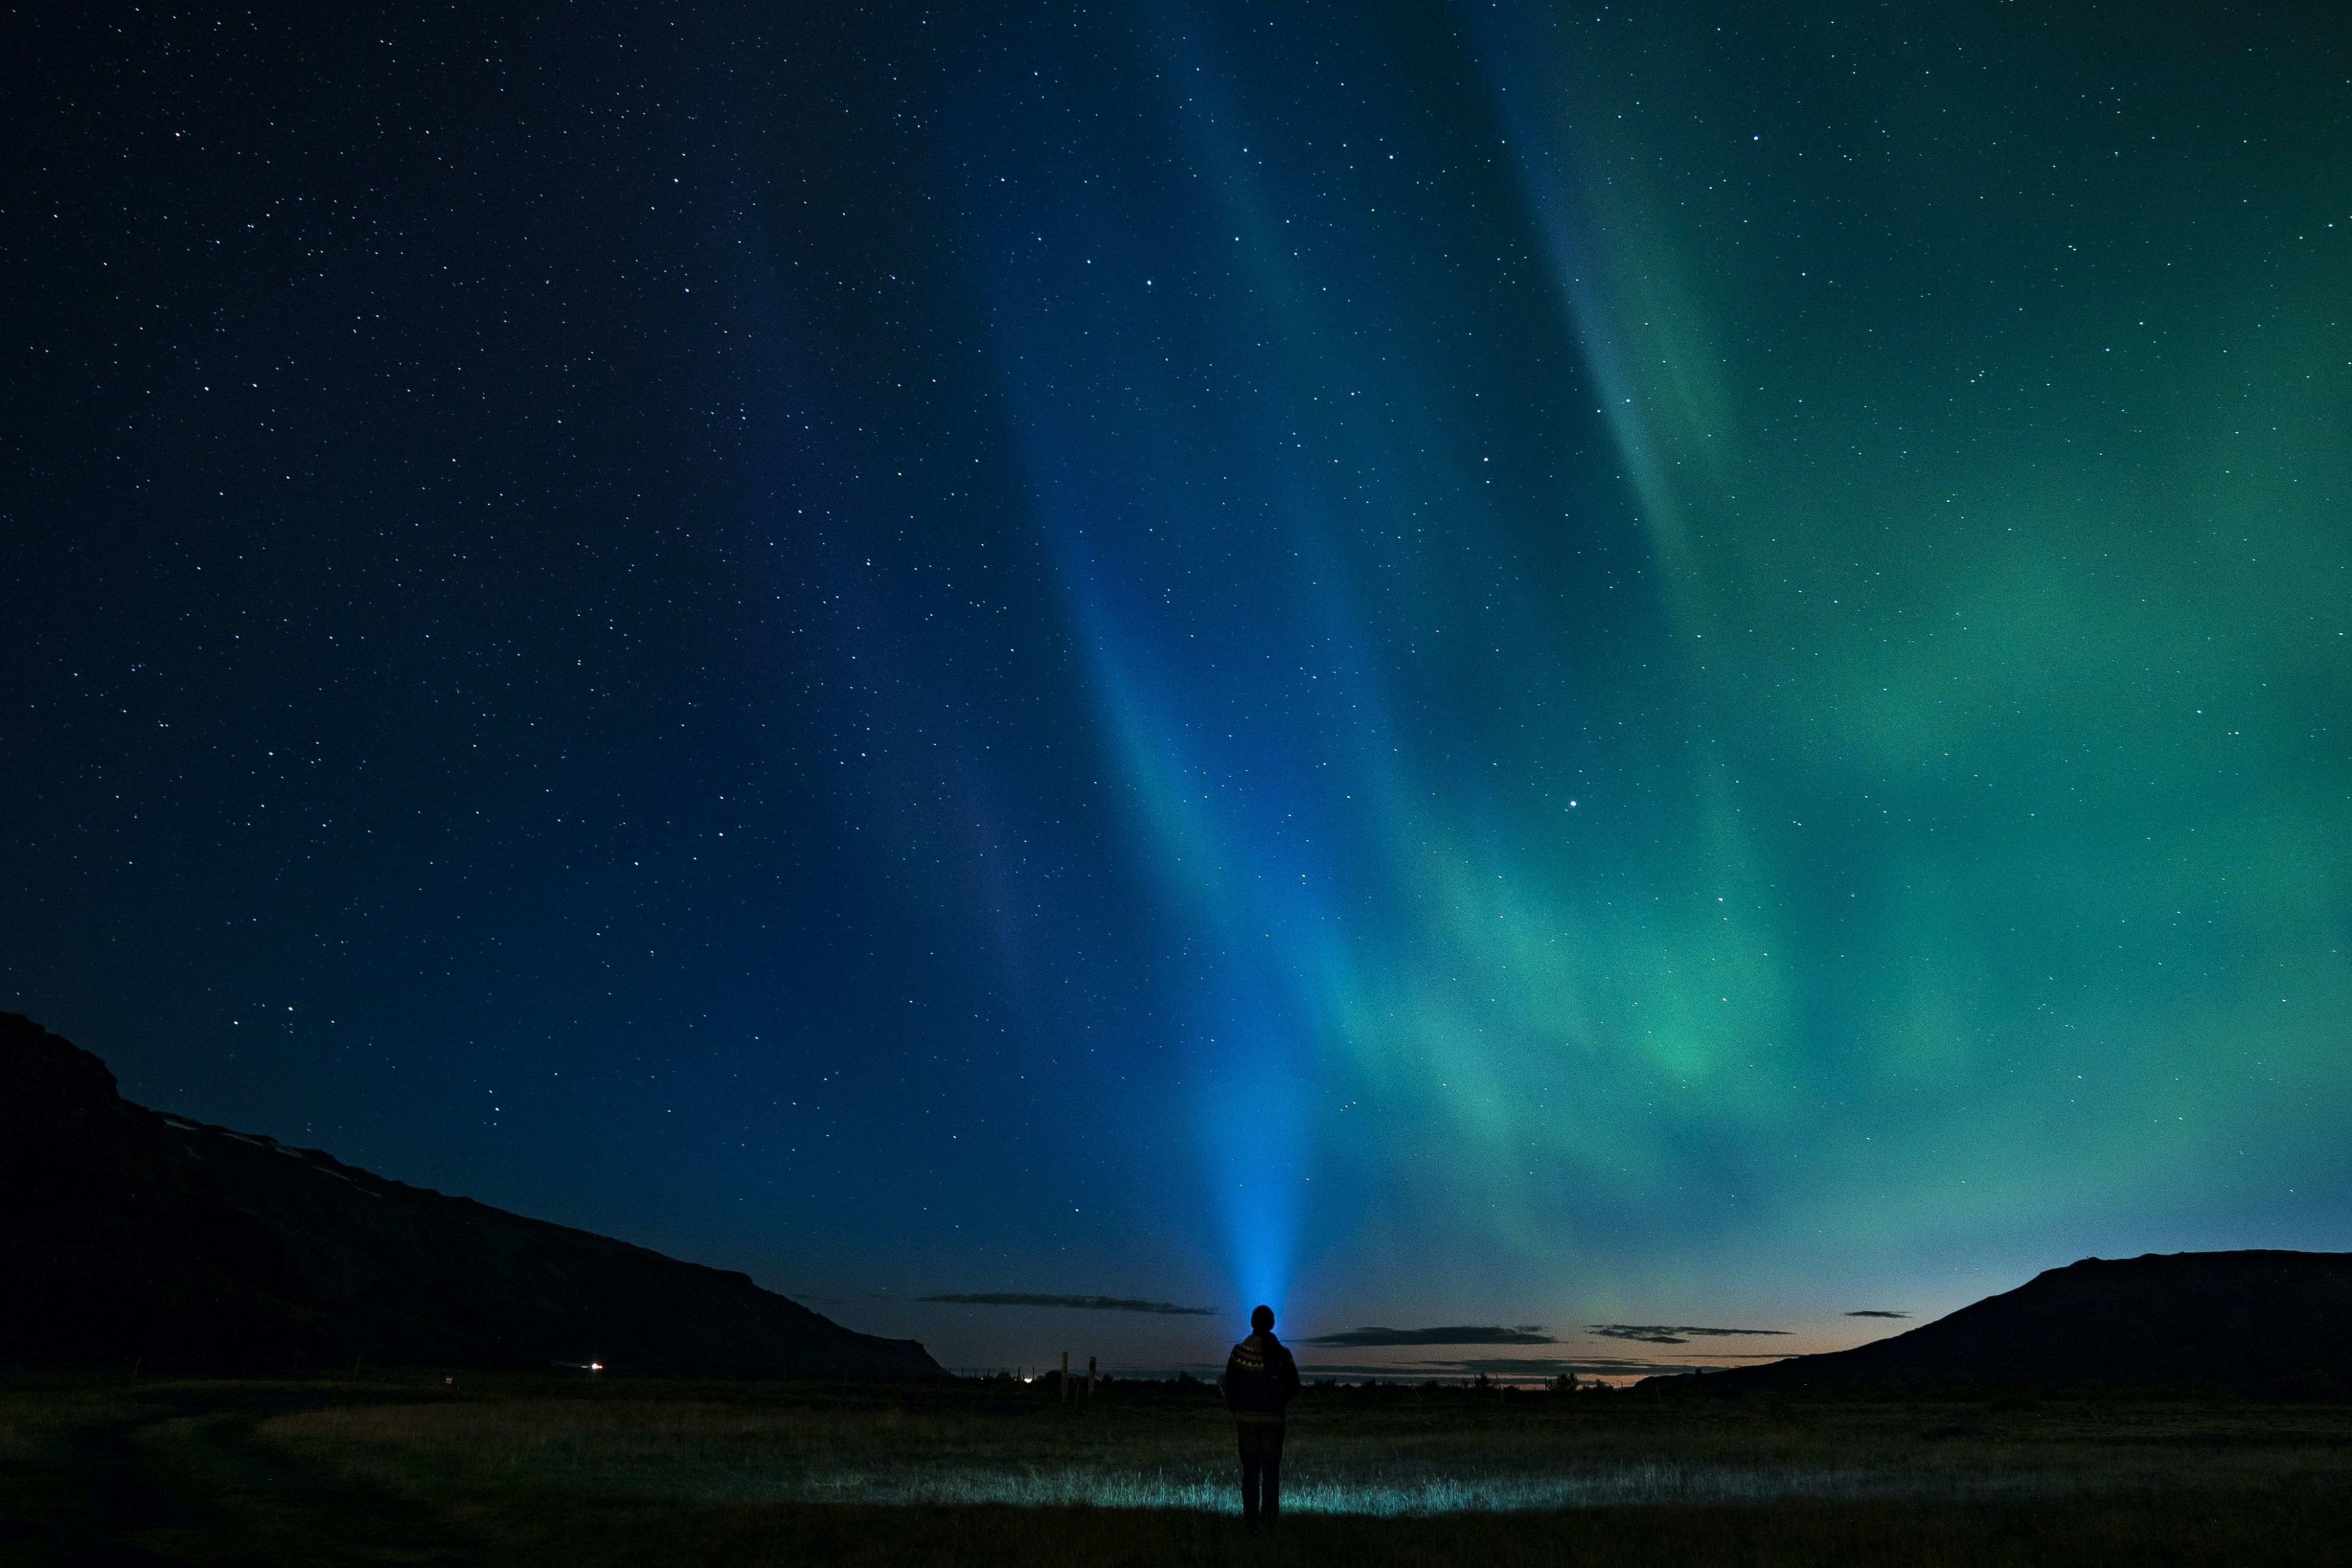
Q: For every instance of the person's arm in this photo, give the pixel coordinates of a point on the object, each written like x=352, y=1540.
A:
x=1225, y=1385
x=1289, y=1376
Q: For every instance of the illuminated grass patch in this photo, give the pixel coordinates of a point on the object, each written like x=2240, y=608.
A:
x=714, y=1453
x=1408, y=1496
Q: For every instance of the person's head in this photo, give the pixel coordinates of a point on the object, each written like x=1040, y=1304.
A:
x=1262, y=1320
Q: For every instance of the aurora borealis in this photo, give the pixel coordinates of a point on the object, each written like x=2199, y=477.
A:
x=1477, y=664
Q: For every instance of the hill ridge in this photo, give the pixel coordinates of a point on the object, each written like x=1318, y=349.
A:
x=137, y=1236
x=2268, y=1321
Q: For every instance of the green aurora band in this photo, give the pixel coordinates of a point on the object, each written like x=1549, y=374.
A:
x=1727, y=630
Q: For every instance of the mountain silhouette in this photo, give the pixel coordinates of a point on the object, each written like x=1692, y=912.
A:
x=128, y=1236
x=2271, y=1324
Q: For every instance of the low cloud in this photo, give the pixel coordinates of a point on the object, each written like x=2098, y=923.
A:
x=1456, y=1334
x=1669, y=1333
x=1507, y=1368
x=1086, y=1303
x=1872, y=1312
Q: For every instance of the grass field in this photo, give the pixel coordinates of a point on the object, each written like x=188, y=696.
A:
x=401, y=1468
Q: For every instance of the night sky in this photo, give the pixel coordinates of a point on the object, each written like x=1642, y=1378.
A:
x=1500, y=665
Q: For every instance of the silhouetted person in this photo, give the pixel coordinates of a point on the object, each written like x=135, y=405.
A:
x=1260, y=1382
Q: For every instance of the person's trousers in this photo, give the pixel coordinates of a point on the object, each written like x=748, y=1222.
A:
x=1261, y=1469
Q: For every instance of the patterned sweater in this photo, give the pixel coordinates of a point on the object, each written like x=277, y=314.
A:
x=1260, y=1379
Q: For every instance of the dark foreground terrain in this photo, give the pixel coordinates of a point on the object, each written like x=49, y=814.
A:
x=513, y=1468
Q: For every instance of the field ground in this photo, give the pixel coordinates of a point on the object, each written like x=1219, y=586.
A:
x=401, y=1468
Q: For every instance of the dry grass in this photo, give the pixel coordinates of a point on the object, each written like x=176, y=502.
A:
x=1368, y=1457
x=528, y=1471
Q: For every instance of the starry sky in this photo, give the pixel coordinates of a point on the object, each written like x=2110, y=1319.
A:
x=1590, y=677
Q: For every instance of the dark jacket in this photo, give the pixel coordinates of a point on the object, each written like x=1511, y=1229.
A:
x=1260, y=1379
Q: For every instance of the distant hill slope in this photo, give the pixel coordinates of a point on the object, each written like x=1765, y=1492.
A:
x=128, y=1236
x=2265, y=1323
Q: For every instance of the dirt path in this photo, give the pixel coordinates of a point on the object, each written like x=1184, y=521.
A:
x=173, y=1476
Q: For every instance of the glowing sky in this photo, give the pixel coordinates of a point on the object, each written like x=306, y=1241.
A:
x=1478, y=665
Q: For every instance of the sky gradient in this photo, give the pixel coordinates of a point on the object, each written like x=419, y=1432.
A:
x=1564, y=669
